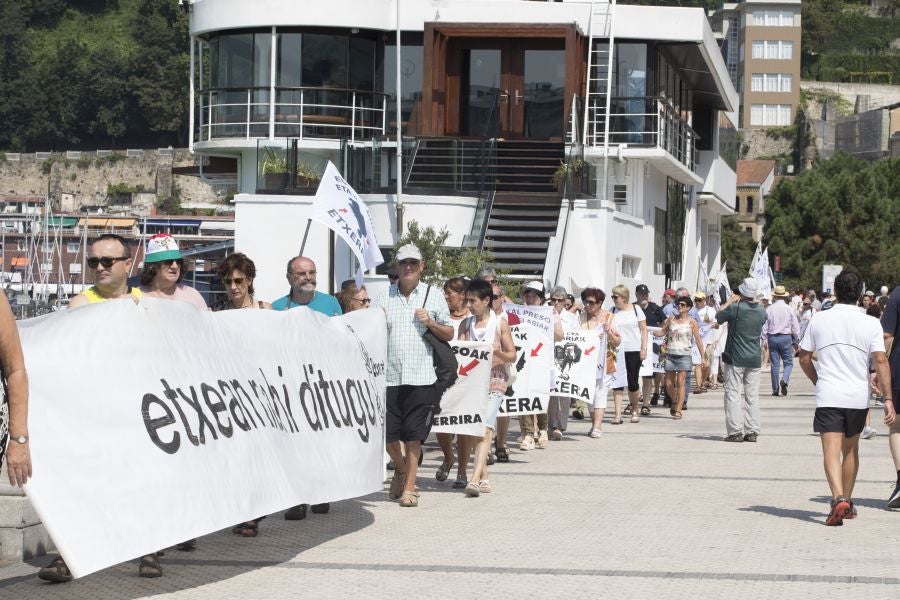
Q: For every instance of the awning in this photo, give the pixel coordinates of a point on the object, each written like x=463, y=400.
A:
x=173, y=222
x=217, y=225
x=105, y=222
x=64, y=221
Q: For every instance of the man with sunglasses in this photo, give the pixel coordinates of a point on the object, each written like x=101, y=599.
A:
x=110, y=261
x=301, y=275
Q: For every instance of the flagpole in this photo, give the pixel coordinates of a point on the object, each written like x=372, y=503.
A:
x=305, y=235
x=399, y=134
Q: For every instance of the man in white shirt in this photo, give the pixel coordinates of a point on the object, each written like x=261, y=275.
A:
x=845, y=341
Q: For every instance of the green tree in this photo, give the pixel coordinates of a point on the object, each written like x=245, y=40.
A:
x=844, y=212
x=737, y=248
x=442, y=262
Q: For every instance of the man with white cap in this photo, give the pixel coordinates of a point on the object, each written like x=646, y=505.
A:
x=412, y=308
x=884, y=298
x=745, y=318
x=782, y=331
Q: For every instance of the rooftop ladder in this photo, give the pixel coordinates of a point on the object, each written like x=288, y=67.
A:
x=599, y=85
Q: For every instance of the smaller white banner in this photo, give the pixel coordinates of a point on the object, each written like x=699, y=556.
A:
x=464, y=405
x=530, y=392
x=576, y=358
x=653, y=364
x=539, y=317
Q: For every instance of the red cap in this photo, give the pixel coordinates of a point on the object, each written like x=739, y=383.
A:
x=669, y=292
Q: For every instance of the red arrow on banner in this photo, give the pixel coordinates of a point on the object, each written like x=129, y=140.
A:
x=343, y=210
x=589, y=350
x=464, y=371
x=537, y=349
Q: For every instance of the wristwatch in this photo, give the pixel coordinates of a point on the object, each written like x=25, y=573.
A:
x=22, y=439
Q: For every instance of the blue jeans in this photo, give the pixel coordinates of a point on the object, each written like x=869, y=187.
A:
x=781, y=347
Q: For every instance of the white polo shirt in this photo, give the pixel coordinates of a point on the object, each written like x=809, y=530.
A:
x=844, y=340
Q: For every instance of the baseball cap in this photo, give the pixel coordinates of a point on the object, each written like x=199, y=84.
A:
x=642, y=289
x=870, y=293
x=534, y=286
x=699, y=295
x=670, y=292
x=408, y=251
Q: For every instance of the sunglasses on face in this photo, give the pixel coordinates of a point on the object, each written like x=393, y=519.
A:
x=106, y=261
x=234, y=280
x=590, y=302
x=684, y=304
x=410, y=263
x=169, y=262
x=555, y=300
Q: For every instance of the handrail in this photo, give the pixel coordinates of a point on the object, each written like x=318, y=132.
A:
x=293, y=88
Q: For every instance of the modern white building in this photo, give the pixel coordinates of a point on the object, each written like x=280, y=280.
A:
x=496, y=97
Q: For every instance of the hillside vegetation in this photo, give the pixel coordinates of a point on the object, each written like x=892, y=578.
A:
x=92, y=74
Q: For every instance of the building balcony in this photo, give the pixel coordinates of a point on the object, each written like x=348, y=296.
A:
x=719, y=183
x=230, y=114
x=645, y=128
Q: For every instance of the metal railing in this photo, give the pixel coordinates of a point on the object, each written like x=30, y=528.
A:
x=292, y=112
x=643, y=121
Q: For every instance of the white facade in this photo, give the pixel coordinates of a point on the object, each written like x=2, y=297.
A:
x=598, y=241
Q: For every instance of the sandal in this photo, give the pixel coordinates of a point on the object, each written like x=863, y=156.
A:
x=443, y=471
x=249, y=529
x=473, y=490
x=697, y=390
x=485, y=486
x=645, y=410
x=676, y=415
x=398, y=481
x=409, y=500
x=56, y=571
x=460, y=483
x=616, y=422
x=635, y=419
x=188, y=546
x=149, y=566
x=503, y=454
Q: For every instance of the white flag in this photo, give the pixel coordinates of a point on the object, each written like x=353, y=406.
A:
x=761, y=274
x=338, y=207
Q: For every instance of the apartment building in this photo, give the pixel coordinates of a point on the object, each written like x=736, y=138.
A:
x=761, y=47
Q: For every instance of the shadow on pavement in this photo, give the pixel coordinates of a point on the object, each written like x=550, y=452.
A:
x=861, y=502
x=787, y=513
x=219, y=556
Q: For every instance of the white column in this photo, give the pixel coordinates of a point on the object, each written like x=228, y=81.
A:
x=191, y=107
x=273, y=61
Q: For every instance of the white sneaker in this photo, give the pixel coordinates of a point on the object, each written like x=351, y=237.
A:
x=543, y=439
x=868, y=433
x=595, y=433
x=556, y=435
x=527, y=443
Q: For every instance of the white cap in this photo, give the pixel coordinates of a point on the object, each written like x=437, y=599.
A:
x=408, y=251
x=536, y=286
x=749, y=288
x=884, y=290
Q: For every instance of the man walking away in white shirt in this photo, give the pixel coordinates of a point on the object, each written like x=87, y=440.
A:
x=845, y=341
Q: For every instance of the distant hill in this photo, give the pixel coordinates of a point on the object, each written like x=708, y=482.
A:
x=92, y=74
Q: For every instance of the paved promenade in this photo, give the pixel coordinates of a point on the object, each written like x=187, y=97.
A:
x=659, y=509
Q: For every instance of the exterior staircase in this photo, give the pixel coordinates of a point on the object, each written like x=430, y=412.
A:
x=519, y=230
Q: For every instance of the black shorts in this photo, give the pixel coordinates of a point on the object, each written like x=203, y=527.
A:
x=849, y=421
x=408, y=413
x=896, y=398
x=633, y=364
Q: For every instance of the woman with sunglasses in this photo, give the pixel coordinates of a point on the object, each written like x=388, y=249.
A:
x=679, y=330
x=353, y=298
x=596, y=318
x=237, y=273
x=631, y=322
x=163, y=271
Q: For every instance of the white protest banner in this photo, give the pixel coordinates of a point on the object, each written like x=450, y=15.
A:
x=539, y=317
x=620, y=377
x=464, y=404
x=576, y=364
x=155, y=423
x=653, y=364
x=530, y=392
x=338, y=207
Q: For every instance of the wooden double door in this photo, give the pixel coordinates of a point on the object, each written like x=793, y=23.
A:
x=511, y=82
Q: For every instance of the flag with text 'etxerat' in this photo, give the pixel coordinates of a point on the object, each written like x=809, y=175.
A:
x=338, y=207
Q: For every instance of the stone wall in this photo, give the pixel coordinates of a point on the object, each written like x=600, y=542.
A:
x=759, y=145
x=83, y=178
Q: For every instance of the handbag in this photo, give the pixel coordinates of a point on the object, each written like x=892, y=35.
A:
x=444, y=360
x=611, y=351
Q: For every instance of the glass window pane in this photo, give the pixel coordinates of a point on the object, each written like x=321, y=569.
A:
x=545, y=91
x=289, y=72
x=483, y=84
x=235, y=60
x=262, y=59
x=785, y=83
x=324, y=61
x=756, y=114
x=362, y=63
x=410, y=78
x=758, y=49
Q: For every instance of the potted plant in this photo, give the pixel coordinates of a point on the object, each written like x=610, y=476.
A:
x=568, y=174
x=275, y=171
x=307, y=176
